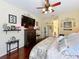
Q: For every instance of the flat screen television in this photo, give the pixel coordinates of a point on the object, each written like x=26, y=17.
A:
x=27, y=21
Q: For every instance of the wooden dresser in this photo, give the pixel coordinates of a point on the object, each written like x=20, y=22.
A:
x=29, y=37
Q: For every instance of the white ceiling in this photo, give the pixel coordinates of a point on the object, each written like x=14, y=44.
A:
x=31, y=5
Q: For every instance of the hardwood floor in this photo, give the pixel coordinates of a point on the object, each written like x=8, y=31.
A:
x=23, y=53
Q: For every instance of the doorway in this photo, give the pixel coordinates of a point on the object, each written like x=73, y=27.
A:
x=55, y=28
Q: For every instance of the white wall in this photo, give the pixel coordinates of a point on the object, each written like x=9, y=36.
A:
x=5, y=10
x=42, y=23
x=75, y=19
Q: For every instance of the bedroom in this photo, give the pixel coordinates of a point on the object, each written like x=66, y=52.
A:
x=48, y=24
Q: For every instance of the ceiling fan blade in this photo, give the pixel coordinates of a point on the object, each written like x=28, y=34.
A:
x=56, y=4
x=40, y=7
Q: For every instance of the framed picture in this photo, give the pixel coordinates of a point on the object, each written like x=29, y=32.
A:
x=12, y=19
x=68, y=23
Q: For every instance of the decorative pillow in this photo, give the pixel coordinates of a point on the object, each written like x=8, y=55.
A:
x=62, y=44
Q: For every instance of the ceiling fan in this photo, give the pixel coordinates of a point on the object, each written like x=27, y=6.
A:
x=48, y=7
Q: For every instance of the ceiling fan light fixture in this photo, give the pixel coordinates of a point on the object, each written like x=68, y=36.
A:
x=45, y=12
x=50, y=8
x=50, y=11
x=44, y=9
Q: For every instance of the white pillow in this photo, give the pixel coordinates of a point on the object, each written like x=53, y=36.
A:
x=62, y=44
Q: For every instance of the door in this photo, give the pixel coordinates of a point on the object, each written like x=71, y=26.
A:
x=55, y=28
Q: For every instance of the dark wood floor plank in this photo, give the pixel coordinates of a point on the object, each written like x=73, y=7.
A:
x=22, y=54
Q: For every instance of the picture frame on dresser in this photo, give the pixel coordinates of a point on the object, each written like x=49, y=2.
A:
x=12, y=19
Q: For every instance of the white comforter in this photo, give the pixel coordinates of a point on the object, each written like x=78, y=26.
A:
x=47, y=49
x=40, y=50
x=69, y=53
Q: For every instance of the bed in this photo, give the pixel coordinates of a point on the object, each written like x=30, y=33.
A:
x=39, y=51
x=67, y=53
x=51, y=49
x=65, y=48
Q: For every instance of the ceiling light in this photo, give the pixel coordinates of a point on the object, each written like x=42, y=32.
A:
x=50, y=11
x=50, y=8
x=45, y=12
x=43, y=9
